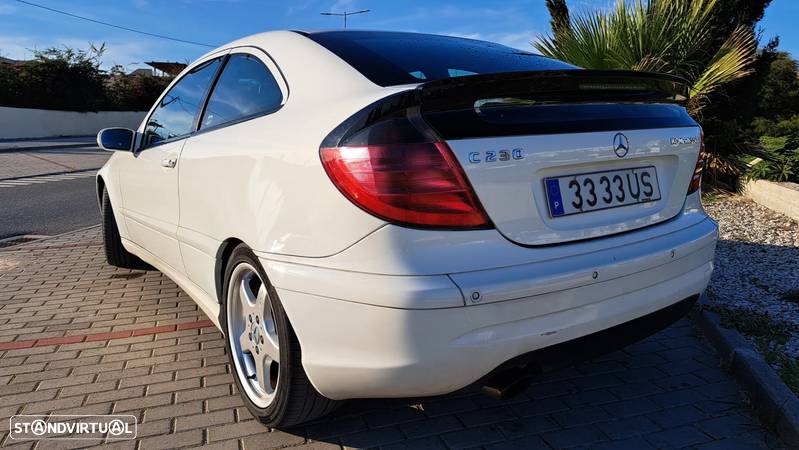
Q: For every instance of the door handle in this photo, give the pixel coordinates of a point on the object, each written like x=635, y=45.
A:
x=169, y=163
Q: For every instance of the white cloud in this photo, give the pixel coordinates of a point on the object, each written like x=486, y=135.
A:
x=463, y=35
x=582, y=6
x=438, y=13
x=299, y=6
x=130, y=54
x=122, y=53
x=343, y=5
x=191, y=2
x=6, y=9
x=16, y=47
x=492, y=22
x=520, y=40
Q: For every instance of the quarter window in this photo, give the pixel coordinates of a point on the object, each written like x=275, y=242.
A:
x=175, y=114
x=245, y=89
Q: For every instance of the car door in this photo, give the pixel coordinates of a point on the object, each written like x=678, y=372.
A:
x=222, y=183
x=149, y=180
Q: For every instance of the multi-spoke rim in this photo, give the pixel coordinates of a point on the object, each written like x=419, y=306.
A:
x=253, y=335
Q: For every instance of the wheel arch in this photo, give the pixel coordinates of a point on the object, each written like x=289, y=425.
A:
x=222, y=257
x=100, y=186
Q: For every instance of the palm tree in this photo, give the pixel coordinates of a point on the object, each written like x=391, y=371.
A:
x=669, y=36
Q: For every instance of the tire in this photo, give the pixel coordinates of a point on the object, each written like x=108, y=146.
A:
x=115, y=253
x=293, y=399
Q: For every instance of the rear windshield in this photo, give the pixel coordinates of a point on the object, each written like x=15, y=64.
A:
x=389, y=58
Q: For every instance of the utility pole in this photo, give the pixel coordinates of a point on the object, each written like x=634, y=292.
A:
x=345, y=14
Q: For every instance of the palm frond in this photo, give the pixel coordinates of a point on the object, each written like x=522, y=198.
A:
x=731, y=62
x=668, y=36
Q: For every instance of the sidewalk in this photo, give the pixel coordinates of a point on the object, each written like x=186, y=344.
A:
x=27, y=158
x=47, y=143
x=80, y=337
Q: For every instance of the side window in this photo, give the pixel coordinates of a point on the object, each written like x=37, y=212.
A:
x=175, y=115
x=246, y=88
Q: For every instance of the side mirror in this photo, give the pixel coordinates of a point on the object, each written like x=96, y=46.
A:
x=113, y=139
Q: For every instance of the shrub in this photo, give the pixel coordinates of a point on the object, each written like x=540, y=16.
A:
x=781, y=162
x=135, y=92
x=71, y=80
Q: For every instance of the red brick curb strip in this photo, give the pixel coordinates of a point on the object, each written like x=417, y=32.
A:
x=104, y=336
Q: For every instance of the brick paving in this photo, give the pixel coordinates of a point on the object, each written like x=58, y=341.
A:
x=666, y=392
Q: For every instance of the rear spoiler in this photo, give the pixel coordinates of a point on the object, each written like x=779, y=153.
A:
x=452, y=106
x=548, y=87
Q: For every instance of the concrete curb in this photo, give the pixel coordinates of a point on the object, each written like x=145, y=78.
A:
x=774, y=402
x=41, y=138
x=24, y=246
x=775, y=196
x=64, y=172
x=45, y=147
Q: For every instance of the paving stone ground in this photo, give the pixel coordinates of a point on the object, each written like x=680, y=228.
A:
x=666, y=392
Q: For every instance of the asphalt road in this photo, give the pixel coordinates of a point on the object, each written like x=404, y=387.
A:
x=48, y=208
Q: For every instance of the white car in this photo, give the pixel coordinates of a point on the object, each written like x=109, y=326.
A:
x=380, y=214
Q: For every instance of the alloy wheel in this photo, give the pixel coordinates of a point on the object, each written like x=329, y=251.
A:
x=253, y=335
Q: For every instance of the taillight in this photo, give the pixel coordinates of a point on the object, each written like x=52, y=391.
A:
x=696, y=178
x=415, y=184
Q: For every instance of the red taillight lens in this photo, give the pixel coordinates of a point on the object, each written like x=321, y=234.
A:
x=696, y=178
x=413, y=184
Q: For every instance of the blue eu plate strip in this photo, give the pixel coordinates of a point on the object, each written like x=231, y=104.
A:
x=553, y=194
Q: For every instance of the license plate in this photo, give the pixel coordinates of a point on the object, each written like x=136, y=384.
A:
x=575, y=194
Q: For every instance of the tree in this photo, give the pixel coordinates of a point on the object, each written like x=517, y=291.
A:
x=779, y=94
x=730, y=14
x=777, y=124
x=729, y=110
x=559, y=13
x=711, y=43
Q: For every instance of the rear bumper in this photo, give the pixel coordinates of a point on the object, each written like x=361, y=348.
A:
x=365, y=335
x=595, y=344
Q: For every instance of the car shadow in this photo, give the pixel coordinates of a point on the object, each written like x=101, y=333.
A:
x=667, y=381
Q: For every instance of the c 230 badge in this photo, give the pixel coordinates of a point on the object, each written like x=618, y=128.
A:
x=490, y=156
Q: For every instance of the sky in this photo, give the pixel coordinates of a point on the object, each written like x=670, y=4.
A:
x=215, y=22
